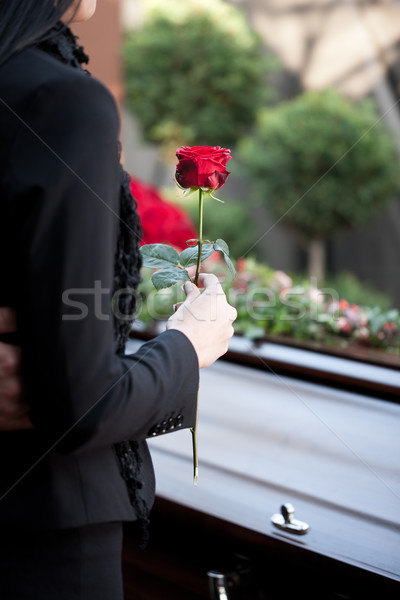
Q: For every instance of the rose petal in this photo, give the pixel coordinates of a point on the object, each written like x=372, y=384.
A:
x=202, y=166
x=217, y=180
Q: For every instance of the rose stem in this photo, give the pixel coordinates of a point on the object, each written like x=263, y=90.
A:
x=194, y=429
x=200, y=240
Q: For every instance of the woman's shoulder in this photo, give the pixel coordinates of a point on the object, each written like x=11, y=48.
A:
x=34, y=83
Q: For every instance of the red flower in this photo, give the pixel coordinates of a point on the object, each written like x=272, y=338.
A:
x=162, y=222
x=241, y=265
x=202, y=167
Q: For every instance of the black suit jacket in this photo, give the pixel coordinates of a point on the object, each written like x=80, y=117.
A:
x=59, y=212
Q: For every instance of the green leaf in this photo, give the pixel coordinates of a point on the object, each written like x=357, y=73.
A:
x=222, y=246
x=230, y=264
x=157, y=256
x=167, y=277
x=189, y=256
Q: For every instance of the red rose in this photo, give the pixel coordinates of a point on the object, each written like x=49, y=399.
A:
x=202, y=167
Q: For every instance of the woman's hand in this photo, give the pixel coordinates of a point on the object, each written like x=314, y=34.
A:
x=14, y=411
x=205, y=318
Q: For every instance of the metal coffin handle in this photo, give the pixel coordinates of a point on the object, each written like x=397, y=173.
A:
x=286, y=521
x=218, y=585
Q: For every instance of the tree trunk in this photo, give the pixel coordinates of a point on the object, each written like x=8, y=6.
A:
x=316, y=261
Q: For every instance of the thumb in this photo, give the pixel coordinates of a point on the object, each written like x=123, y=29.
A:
x=191, y=291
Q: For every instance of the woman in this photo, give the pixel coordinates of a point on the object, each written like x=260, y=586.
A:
x=69, y=265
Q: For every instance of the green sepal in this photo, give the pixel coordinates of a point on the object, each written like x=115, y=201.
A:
x=211, y=194
x=167, y=277
x=188, y=191
x=188, y=257
x=158, y=256
x=215, y=198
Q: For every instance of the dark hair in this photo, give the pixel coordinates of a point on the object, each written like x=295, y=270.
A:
x=25, y=22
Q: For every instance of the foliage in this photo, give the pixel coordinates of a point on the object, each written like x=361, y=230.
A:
x=155, y=305
x=356, y=292
x=171, y=266
x=321, y=162
x=195, y=73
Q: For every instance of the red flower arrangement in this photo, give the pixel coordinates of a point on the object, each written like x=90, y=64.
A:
x=162, y=222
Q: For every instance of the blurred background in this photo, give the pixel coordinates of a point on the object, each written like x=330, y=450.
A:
x=305, y=93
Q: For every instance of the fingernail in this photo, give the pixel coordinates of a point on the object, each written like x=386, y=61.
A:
x=188, y=286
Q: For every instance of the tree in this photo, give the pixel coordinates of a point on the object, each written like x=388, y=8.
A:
x=321, y=164
x=195, y=74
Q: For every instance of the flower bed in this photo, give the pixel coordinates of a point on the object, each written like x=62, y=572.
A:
x=271, y=306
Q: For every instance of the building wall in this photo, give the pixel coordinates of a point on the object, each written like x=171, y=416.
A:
x=101, y=37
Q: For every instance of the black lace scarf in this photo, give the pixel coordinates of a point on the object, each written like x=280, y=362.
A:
x=62, y=44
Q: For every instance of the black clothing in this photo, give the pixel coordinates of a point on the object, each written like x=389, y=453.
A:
x=59, y=206
x=82, y=563
x=61, y=43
